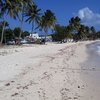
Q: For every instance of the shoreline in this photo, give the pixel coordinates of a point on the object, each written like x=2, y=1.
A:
x=92, y=73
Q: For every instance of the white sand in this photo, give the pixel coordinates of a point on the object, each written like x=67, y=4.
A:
x=43, y=72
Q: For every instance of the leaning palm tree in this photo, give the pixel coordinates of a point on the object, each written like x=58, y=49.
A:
x=33, y=14
x=23, y=5
x=48, y=21
x=8, y=7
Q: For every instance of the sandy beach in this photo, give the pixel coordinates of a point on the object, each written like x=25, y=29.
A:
x=49, y=72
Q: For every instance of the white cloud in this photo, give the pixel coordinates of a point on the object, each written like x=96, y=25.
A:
x=88, y=17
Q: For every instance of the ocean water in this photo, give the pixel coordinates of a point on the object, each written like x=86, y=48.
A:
x=93, y=51
x=98, y=49
x=95, y=47
x=91, y=74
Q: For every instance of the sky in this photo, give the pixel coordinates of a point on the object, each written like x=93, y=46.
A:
x=87, y=10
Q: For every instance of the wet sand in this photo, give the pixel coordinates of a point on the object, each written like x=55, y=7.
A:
x=91, y=72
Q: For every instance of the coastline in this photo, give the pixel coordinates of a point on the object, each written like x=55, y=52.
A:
x=48, y=72
x=91, y=74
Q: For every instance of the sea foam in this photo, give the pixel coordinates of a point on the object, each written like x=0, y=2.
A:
x=98, y=49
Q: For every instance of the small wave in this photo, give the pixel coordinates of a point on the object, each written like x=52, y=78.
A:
x=98, y=49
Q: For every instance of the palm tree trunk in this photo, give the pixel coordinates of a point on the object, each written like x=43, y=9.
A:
x=22, y=20
x=21, y=29
x=32, y=27
x=5, y=38
x=2, y=34
x=45, y=34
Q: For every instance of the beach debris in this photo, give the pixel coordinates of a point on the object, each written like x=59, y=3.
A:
x=78, y=86
x=93, y=68
x=64, y=93
x=38, y=91
x=69, y=97
x=14, y=94
x=25, y=87
x=12, y=81
x=16, y=64
x=75, y=97
x=16, y=50
x=19, y=87
x=8, y=84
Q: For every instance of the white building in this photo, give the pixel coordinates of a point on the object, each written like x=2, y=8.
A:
x=35, y=36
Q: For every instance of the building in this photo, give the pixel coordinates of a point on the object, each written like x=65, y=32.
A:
x=35, y=36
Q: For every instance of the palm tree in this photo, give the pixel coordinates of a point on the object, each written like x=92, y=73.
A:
x=48, y=20
x=75, y=23
x=8, y=7
x=23, y=5
x=93, y=31
x=83, y=32
x=33, y=14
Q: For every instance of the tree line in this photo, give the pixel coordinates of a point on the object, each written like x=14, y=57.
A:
x=11, y=34
x=28, y=11
x=25, y=11
x=75, y=30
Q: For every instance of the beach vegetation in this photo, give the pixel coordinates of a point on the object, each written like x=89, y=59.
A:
x=75, y=30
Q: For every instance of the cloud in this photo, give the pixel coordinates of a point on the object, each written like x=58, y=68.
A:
x=88, y=17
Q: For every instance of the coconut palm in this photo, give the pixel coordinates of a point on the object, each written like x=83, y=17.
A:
x=23, y=5
x=93, y=31
x=8, y=7
x=75, y=23
x=33, y=14
x=48, y=21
